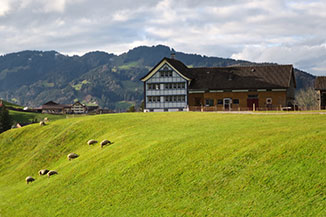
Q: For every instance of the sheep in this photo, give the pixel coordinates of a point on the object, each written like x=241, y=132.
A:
x=29, y=179
x=43, y=172
x=52, y=172
x=105, y=142
x=42, y=123
x=91, y=142
x=72, y=156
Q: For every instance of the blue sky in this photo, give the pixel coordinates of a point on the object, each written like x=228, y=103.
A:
x=281, y=31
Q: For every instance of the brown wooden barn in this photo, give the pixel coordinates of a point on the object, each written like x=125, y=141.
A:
x=320, y=87
x=172, y=86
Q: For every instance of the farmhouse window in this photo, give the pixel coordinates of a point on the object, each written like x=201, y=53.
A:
x=154, y=99
x=209, y=102
x=220, y=101
x=175, y=98
x=235, y=101
x=255, y=96
x=174, y=86
x=153, y=86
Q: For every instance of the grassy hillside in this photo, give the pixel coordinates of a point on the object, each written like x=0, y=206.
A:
x=167, y=164
x=9, y=104
x=30, y=117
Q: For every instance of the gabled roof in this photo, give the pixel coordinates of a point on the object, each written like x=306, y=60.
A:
x=320, y=83
x=232, y=77
x=50, y=103
x=54, y=105
x=242, y=77
x=176, y=64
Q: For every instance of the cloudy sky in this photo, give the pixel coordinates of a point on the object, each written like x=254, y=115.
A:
x=281, y=31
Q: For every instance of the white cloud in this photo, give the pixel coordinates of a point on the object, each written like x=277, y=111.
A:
x=266, y=31
x=4, y=7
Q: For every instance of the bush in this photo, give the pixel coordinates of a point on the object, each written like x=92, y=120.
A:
x=5, y=119
x=132, y=109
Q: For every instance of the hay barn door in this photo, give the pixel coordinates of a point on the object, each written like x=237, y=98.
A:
x=227, y=104
x=252, y=99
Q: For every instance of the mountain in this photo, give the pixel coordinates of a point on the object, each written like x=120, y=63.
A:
x=31, y=78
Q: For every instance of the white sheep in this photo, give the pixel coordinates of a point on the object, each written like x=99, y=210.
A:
x=72, y=156
x=43, y=172
x=52, y=172
x=91, y=142
x=105, y=142
x=29, y=179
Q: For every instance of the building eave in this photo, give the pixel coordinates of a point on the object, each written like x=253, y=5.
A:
x=160, y=65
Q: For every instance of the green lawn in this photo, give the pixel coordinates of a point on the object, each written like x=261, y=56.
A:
x=167, y=164
x=9, y=104
x=30, y=117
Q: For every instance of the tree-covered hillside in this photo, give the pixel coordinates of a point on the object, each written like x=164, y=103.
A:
x=31, y=78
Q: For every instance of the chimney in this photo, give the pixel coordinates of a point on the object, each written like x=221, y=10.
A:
x=173, y=54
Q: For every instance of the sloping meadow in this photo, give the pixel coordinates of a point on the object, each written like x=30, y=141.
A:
x=167, y=164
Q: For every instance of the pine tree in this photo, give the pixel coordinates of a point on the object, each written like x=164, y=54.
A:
x=5, y=119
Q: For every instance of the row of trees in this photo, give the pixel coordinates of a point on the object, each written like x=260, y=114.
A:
x=5, y=119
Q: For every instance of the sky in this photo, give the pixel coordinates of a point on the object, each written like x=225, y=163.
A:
x=279, y=31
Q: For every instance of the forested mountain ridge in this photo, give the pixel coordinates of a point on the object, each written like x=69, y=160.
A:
x=31, y=78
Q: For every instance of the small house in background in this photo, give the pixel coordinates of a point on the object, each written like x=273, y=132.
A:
x=78, y=108
x=172, y=86
x=55, y=108
x=320, y=87
x=92, y=108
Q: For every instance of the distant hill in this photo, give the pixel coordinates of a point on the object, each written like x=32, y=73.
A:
x=31, y=78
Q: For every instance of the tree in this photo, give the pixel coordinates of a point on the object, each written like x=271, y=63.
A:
x=142, y=106
x=307, y=99
x=131, y=109
x=5, y=119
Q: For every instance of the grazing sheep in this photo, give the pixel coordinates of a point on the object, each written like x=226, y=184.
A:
x=42, y=123
x=105, y=142
x=52, y=172
x=43, y=172
x=45, y=119
x=29, y=179
x=72, y=156
x=91, y=142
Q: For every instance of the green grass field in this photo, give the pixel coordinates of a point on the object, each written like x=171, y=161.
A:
x=30, y=117
x=9, y=104
x=167, y=164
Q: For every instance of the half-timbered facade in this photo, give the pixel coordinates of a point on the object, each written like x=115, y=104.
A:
x=172, y=86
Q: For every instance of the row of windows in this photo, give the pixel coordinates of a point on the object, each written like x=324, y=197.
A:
x=153, y=86
x=167, y=86
x=154, y=99
x=166, y=73
x=174, y=98
x=180, y=98
x=210, y=102
x=175, y=86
